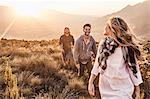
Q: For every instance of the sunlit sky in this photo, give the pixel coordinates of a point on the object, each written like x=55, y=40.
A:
x=81, y=7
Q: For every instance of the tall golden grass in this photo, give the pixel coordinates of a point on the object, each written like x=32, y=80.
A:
x=38, y=71
x=34, y=69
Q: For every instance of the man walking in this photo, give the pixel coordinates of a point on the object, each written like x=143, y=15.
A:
x=66, y=44
x=84, y=49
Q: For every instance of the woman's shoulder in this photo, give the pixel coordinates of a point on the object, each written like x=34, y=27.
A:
x=102, y=41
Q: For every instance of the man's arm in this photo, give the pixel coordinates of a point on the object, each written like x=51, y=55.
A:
x=76, y=52
x=72, y=40
x=61, y=43
x=60, y=40
x=94, y=48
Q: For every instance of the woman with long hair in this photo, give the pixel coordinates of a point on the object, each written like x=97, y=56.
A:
x=116, y=61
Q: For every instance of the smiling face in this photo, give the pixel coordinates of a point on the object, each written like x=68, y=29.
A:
x=116, y=27
x=87, y=30
x=107, y=31
x=66, y=31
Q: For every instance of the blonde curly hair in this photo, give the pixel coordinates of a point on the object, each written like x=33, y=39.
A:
x=121, y=32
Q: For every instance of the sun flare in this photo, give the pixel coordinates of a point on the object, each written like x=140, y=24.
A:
x=27, y=10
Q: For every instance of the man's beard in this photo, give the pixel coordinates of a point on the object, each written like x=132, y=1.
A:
x=87, y=34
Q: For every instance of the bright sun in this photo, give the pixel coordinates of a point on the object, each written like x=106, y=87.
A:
x=27, y=10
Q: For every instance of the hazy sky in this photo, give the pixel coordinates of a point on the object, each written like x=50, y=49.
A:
x=82, y=7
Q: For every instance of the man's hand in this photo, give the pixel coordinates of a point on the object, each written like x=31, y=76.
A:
x=62, y=50
x=78, y=66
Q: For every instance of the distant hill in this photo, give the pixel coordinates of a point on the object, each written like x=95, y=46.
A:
x=51, y=23
x=137, y=17
x=48, y=25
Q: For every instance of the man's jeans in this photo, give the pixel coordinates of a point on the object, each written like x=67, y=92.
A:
x=88, y=66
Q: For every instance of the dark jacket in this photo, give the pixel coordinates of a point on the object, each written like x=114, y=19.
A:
x=82, y=52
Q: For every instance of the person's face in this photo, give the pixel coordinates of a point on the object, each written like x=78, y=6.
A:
x=107, y=31
x=87, y=30
x=66, y=32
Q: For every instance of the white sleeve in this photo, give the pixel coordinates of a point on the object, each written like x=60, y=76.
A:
x=96, y=67
x=138, y=80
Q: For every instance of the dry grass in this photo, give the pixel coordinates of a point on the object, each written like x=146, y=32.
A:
x=40, y=72
x=36, y=65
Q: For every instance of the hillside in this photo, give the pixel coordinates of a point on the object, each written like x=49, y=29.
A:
x=51, y=22
x=136, y=16
x=45, y=26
